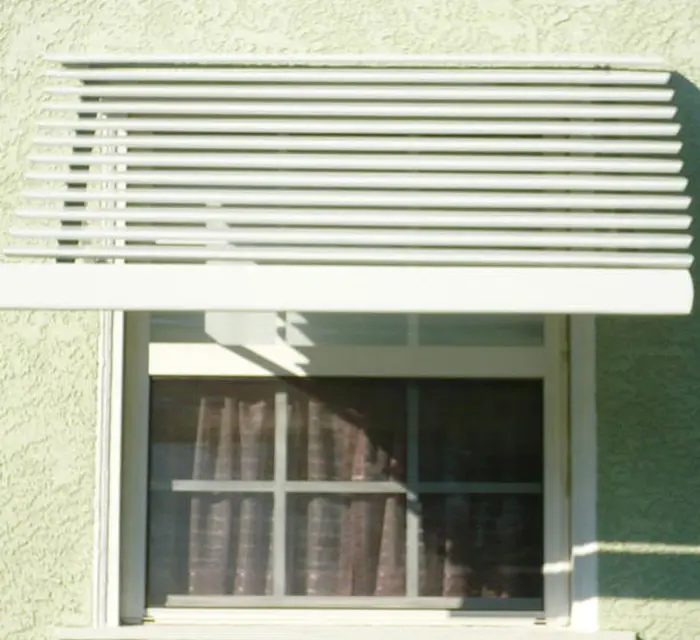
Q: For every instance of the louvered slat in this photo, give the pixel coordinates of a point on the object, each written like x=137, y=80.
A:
x=374, y=162
x=385, y=127
x=358, y=161
x=377, y=180
x=597, y=147
x=392, y=92
x=371, y=256
x=310, y=73
x=371, y=109
x=359, y=198
x=369, y=238
x=388, y=218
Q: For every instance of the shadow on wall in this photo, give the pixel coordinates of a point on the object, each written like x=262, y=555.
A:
x=648, y=381
x=687, y=102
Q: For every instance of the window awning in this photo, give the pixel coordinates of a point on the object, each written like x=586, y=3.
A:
x=449, y=184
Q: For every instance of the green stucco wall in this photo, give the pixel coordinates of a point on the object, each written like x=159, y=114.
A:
x=649, y=370
x=648, y=381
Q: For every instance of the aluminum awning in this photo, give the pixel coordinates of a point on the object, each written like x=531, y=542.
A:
x=405, y=183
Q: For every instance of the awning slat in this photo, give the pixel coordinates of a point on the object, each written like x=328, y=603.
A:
x=386, y=127
x=377, y=75
x=339, y=217
x=357, y=143
x=360, y=198
x=391, y=110
x=369, y=238
x=374, y=256
x=367, y=180
x=352, y=94
x=369, y=162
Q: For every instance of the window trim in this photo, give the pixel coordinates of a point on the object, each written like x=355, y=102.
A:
x=127, y=527
x=134, y=467
x=584, y=470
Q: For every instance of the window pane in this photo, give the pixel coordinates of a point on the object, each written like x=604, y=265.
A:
x=209, y=544
x=481, y=546
x=480, y=330
x=346, y=429
x=178, y=326
x=481, y=431
x=346, y=539
x=346, y=545
x=228, y=327
x=386, y=329
x=212, y=429
x=346, y=329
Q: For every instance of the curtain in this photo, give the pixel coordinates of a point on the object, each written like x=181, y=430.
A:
x=343, y=545
x=340, y=542
x=230, y=534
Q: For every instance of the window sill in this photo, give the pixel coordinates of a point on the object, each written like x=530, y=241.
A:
x=346, y=632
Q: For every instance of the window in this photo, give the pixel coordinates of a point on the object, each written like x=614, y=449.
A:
x=349, y=461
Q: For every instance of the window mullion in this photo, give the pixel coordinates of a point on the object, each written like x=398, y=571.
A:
x=279, y=514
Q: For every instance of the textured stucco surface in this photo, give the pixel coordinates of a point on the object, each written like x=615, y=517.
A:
x=649, y=447
x=649, y=369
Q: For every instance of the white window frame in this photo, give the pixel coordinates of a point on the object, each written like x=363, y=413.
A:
x=121, y=524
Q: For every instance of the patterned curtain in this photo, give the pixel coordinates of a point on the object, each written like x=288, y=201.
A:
x=344, y=544
x=341, y=543
x=230, y=541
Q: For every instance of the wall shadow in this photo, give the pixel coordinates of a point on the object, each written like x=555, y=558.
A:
x=648, y=381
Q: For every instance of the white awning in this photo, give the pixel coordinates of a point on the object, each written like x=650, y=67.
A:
x=355, y=184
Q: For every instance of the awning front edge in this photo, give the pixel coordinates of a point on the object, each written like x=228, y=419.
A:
x=371, y=289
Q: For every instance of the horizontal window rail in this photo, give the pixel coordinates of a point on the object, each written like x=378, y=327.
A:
x=345, y=487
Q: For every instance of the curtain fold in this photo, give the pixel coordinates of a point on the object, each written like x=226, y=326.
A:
x=353, y=543
x=229, y=535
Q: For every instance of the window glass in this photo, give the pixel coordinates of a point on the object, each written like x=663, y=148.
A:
x=346, y=487
x=380, y=329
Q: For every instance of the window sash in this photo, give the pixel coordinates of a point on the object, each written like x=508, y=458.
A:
x=550, y=363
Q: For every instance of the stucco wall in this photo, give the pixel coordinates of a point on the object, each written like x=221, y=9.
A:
x=649, y=436
x=649, y=369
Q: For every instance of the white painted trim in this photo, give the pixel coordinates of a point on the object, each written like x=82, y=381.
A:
x=151, y=287
x=584, y=457
x=100, y=576
x=135, y=479
x=339, y=617
x=111, y=512
x=557, y=565
x=182, y=359
x=342, y=632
